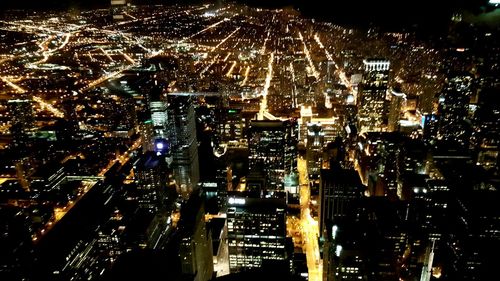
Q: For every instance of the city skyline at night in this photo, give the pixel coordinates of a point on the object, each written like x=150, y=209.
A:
x=273, y=140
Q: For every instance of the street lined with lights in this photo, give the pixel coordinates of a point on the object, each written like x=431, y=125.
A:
x=310, y=229
x=265, y=89
x=312, y=67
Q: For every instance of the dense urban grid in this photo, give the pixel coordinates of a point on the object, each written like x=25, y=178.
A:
x=229, y=142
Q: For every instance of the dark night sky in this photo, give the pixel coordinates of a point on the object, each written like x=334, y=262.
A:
x=390, y=13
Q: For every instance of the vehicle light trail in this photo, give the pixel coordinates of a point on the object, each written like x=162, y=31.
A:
x=344, y=80
x=104, y=78
x=129, y=15
x=269, y=75
x=44, y=45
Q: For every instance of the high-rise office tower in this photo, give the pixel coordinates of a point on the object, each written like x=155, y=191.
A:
x=426, y=99
x=183, y=142
x=129, y=113
x=195, y=251
x=454, y=107
x=390, y=165
x=71, y=117
x=256, y=231
x=430, y=125
x=22, y=121
x=117, y=9
x=369, y=245
x=231, y=124
x=372, y=94
x=350, y=116
x=343, y=255
x=474, y=237
x=486, y=136
x=17, y=249
x=159, y=116
x=338, y=189
x=398, y=100
x=273, y=147
x=385, y=164
x=146, y=130
x=314, y=151
x=151, y=179
x=156, y=126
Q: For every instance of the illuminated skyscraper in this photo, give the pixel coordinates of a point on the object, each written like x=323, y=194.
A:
x=159, y=116
x=372, y=95
x=231, y=124
x=256, y=231
x=183, y=143
x=156, y=127
x=454, y=109
x=338, y=189
x=272, y=146
x=314, y=152
x=475, y=237
x=174, y=133
x=486, y=137
x=195, y=251
x=151, y=179
x=22, y=121
x=431, y=126
x=71, y=117
x=398, y=100
x=147, y=134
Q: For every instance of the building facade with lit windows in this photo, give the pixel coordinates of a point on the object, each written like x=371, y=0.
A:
x=195, y=249
x=454, y=109
x=314, y=152
x=256, y=231
x=22, y=121
x=372, y=94
x=183, y=142
x=231, y=124
x=338, y=189
x=398, y=100
x=150, y=177
x=159, y=116
x=273, y=146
